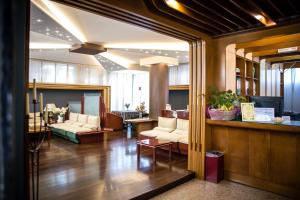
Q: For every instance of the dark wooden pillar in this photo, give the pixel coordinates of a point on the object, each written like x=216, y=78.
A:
x=14, y=48
x=159, y=89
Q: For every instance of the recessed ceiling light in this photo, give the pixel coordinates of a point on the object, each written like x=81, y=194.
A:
x=57, y=31
x=60, y=35
x=47, y=29
x=47, y=33
x=172, y=3
x=67, y=36
x=159, y=52
x=146, y=51
x=166, y=54
x=70, y=39
x=39, y=20
x=177, y=56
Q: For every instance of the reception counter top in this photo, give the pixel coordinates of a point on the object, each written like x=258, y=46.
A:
x=263, y=155
x=289, y=126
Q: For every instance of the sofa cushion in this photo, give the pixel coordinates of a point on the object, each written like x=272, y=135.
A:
x=165, y=122
x=173, y=137
x=184, y=140
x=180, y=132
x=94, y=121
x=163, y=129
x=69, y=122
x=77, y=124
x=82, y=118
x=151, y=133
x=182, y=124
x=73, y=117
x=90, y=126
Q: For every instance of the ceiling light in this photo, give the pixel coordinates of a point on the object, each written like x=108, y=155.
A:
x=35, y=45
x=47, y=33
x=265, y=20
x=172, y=3
x=159, y=52
x=60, y=35
x=172, y=46
x=146, y=51
x=67, y=36
x=166, y=54
x=57, y=31
x=47, y=29
x=39, y=20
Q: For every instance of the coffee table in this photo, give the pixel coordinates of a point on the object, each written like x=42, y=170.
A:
x=153, y=144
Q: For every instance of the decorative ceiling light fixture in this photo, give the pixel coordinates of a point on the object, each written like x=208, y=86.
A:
x=265, y=20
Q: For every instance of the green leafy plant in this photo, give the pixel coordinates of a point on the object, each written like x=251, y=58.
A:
x=224, y=100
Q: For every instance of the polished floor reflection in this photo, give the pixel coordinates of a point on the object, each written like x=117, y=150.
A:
x=103, y=171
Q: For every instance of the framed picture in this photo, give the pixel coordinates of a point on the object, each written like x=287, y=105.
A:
x=248, y=112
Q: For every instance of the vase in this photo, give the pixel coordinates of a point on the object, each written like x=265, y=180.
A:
x=222, y=115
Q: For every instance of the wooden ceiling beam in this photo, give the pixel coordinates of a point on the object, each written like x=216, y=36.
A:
x=285, y=61
x=277, y=55
x=239, y=15
x=217, y=12
x=284, y=58
x=217, y=20
x=269, y=41
x=273, y=46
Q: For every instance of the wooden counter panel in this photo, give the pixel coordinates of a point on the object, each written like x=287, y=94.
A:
x=265, y=159
x=258, y=154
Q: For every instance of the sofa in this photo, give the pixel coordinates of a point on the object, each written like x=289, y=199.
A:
x=170, y=129
x=80, y=128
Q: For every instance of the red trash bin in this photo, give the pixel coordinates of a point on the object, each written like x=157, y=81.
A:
x=214, y=166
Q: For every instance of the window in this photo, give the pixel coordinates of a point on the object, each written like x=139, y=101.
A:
x=179, y=75
x=292, y=90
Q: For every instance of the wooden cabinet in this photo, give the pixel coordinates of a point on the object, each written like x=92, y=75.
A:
x=247, y=77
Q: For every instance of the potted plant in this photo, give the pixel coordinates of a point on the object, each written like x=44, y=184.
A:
x=224, y=105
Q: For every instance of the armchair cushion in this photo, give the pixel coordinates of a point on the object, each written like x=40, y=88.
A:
x=180, y=132
x=94, y=121
x=165, y=122
x=182, y=124
x=173, y=137
x=163, y=129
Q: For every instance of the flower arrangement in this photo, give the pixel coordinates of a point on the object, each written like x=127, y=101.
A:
x=223, y=105
x=141, y=108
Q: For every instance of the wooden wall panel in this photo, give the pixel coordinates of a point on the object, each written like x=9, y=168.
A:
x=284, y=159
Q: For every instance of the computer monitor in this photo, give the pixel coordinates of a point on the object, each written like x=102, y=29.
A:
x=269, y=102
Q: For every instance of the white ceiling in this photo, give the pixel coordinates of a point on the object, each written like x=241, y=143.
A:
x=51, y=21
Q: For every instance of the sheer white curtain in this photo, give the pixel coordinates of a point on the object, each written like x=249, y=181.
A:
x=179, y=75
x=35, y=70
x=56, y=72
x=292, y=90
x=141, y=89
x=129, y=87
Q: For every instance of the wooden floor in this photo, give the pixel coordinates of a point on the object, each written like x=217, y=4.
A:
x=103, y=171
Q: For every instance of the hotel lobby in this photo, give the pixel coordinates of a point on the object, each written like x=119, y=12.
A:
x=150, y=99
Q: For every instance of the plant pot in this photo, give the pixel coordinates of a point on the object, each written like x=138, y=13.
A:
x=222, y=115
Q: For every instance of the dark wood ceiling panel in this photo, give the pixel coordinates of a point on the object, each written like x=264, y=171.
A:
x=222, y=17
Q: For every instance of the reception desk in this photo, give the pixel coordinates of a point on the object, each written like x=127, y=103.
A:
x=262, y=155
